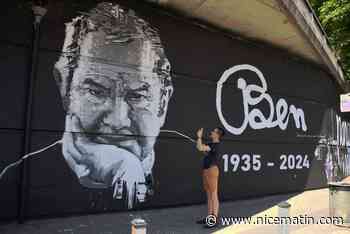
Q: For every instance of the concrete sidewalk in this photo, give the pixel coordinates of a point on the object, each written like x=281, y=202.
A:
x=313, y=204
x=182, y=219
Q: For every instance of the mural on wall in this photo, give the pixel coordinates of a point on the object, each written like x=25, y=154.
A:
x=114, y=79
x=121, y=147
x=334, y=146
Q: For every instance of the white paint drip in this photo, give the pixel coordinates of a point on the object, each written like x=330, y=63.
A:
x=27, y=156
x=180, y=134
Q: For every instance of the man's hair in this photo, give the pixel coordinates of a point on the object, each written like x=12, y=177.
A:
x=121, y=26
x=221, y=131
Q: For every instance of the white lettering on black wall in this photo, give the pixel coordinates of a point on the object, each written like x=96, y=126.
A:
x=278, y=116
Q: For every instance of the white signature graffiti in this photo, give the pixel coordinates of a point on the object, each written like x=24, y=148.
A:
x=255, y=117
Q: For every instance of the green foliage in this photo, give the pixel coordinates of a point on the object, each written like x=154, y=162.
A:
x=334, y=16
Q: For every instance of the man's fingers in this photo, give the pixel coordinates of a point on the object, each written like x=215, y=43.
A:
x=72, y=156
x=141, y=190
x=75, y=124
x=69, y=147
x=130, y=176
x=118, y=188
x=81, y=141
x=148, y=162
x=78, y=130
x=131, y=195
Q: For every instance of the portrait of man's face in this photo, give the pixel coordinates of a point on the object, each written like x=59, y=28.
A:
x=114, y=79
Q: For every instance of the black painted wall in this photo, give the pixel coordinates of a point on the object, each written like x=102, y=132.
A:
x=198, y=58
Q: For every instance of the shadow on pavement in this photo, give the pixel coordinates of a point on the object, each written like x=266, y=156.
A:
x=160, y=221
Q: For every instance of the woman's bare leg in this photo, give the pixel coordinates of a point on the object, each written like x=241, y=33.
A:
x=206, y=189
x=215, y=203
x=213, y=177
x=209, y=203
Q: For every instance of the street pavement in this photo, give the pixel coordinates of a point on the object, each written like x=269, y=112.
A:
x=182, y=219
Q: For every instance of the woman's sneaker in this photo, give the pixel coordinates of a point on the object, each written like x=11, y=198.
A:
x=201, y=221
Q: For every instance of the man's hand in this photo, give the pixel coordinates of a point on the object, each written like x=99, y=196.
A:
x=101, y=165
x=200, y=133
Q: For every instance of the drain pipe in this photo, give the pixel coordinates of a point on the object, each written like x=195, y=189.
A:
x=38, y=12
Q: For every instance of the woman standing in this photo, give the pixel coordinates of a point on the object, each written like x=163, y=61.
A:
x=210, y=173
